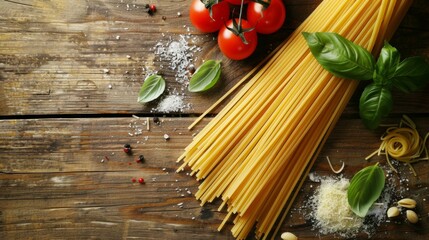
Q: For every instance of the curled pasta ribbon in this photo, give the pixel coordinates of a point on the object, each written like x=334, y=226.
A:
x=404, y=144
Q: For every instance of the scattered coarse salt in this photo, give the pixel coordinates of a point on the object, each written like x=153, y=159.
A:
x=179, y=55
x=171, y=104
x=106, y=70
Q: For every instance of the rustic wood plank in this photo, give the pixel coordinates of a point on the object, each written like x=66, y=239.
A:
x=54, y=183
x=53, y=54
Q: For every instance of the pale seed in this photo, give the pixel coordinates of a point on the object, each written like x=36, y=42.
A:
x=288, y=236
x=392, y=212
x=407, y=203
x=412, y=216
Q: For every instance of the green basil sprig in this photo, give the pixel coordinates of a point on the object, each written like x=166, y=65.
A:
x=365, y=188
x=153, y=86
x=205, y=77
x=346, y=59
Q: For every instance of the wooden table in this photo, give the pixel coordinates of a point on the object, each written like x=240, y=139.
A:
x=70, y=72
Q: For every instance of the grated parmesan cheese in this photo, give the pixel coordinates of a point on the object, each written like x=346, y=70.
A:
x=331, y=210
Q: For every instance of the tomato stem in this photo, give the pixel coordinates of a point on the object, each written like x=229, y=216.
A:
x=241, y=12
x=238, y=29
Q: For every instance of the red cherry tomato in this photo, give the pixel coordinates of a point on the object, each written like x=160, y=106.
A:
x=200, y=16
x=269, y=20
x=232, y=46
x=237, y=2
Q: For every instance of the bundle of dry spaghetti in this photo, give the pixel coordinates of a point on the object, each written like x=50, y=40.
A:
x=259, y=148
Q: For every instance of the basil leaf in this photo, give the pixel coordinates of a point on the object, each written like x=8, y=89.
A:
x=153, y=86
x=205, y=77
x=365, y=188
x=411, y=74
x=375, y=103
x=386, y=64
x=340, y=56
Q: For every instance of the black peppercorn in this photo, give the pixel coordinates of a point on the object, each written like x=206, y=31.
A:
x=156, y=120
x=140, y=159
x=127, y=148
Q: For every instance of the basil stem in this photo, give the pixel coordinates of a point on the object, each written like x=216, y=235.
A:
x=375, y=103
x=205, y=77
x=153, y=86
x=365, y=188
x=340, y=56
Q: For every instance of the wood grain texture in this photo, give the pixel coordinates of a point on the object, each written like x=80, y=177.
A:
x=53, y=54
x=54, y=182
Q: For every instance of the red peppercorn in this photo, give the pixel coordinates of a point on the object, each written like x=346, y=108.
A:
x=141, y=180
x=152, y=8
x=133, y=180
x=140, y=159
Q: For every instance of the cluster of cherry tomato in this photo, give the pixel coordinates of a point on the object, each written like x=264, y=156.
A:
x=237, y=37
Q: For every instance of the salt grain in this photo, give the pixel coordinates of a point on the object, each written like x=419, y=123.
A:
x=166, y=137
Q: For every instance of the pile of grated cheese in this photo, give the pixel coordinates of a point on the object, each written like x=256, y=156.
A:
x=331, y=211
